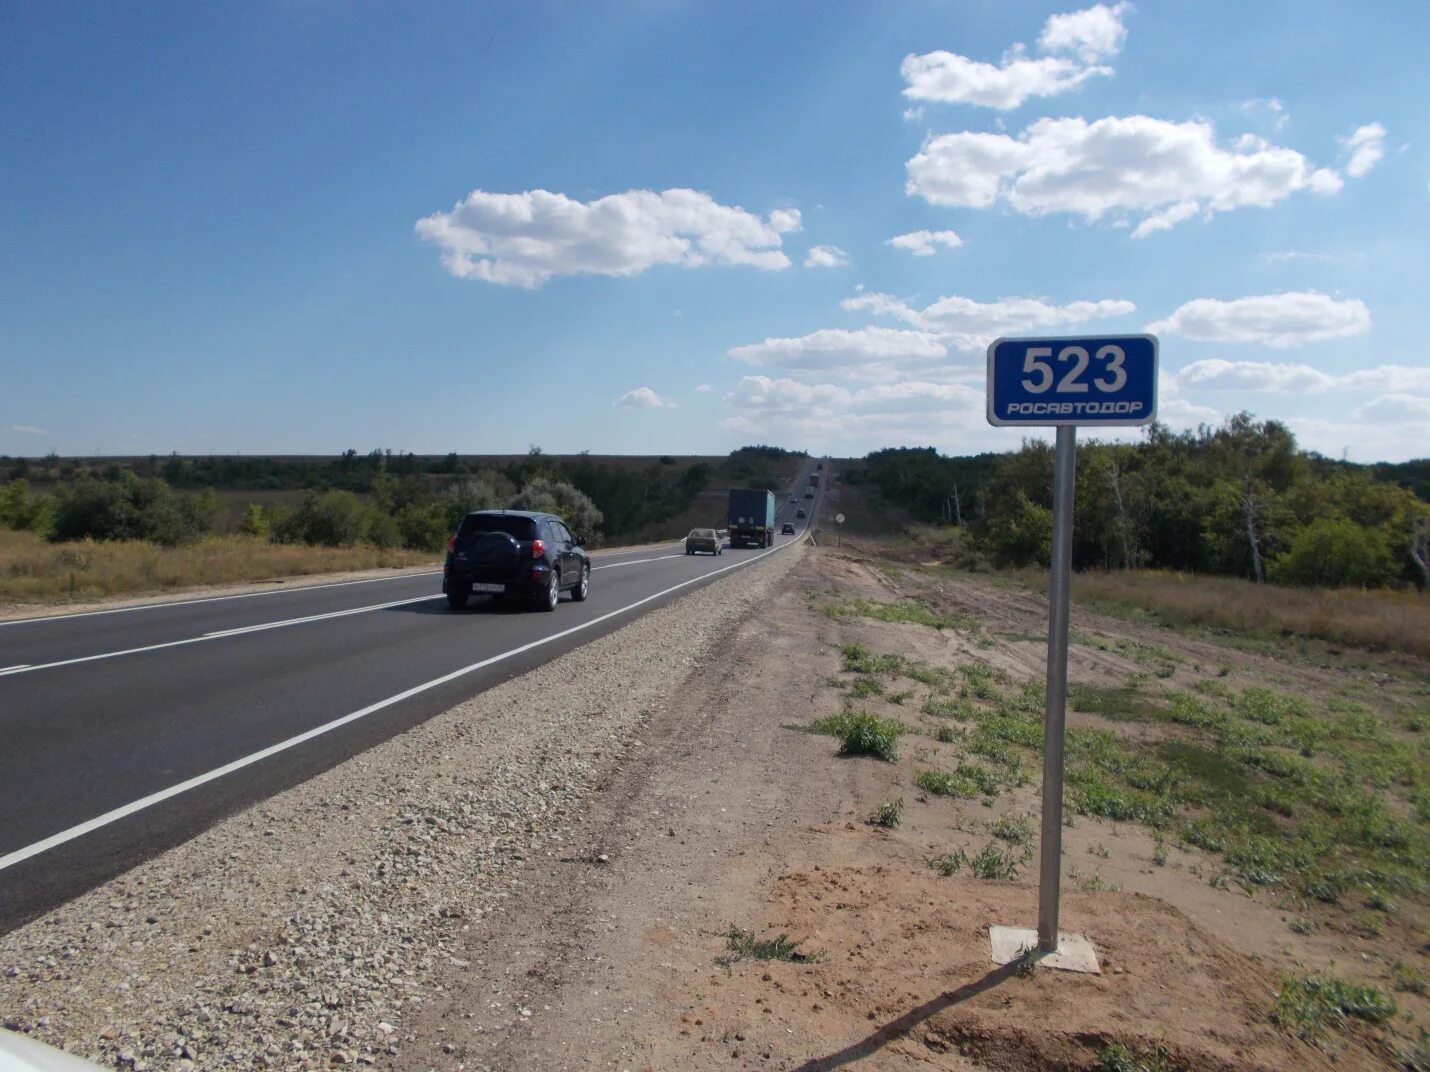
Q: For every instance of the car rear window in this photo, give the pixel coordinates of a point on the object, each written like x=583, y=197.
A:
x=702, y=534
x=518, y=528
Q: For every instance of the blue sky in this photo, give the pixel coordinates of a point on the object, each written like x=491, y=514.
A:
x=666, y=227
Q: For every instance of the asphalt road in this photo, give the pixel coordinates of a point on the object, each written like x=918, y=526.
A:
x=128, y=731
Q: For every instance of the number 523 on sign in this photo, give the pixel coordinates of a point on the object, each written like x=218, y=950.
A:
x=1080, y=379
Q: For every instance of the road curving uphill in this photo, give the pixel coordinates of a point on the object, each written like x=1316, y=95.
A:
x=300, y=931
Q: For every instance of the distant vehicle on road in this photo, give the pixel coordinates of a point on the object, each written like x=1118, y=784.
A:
x=814, y=480
x=800, y=513
x=703, y=540
x=809, y=492
x=515, y=554
x=787, y=529
x=751, y=516
x=794, y=498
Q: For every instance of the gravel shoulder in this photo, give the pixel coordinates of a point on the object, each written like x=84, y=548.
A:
x=309, y=931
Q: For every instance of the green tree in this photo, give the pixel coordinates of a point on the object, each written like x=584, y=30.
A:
x=130, y=507
x=255, y=522
x=554, y=497
x=1336, y=553
x=19, y=509
x=1023, y=534
x=332, y=519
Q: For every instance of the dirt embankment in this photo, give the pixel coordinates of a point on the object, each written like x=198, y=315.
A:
x=571, y=871
x=733, y=817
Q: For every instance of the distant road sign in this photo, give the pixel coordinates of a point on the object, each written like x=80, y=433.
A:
x=1078, y=379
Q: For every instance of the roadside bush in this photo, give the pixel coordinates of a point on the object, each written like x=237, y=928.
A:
x=130, y=507
x=863, y=734
x=1336, y=553
x=1023, y=536
x=330, y=519
x=553, y=497
x=424, y=526
x=255, y=522
x=22, y=511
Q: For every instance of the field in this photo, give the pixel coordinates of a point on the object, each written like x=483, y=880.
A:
x=35, y=572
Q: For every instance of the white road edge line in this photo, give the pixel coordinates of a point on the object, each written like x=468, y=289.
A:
x=240, y=595
x=29, y=669
x=20, y=855
x=17, y=666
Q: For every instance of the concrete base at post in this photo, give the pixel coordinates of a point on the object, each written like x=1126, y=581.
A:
x=1074, y=953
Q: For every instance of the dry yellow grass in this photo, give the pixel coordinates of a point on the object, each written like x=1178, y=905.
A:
x=1391, y=621
x=33, y=571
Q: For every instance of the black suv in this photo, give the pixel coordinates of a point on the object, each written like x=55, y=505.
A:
x=515, y=553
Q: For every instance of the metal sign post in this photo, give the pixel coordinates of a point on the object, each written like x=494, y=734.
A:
x=1063, y=382
x=1059, y=594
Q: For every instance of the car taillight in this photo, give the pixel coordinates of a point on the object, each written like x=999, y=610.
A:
x=538, y=548
x=451, y=543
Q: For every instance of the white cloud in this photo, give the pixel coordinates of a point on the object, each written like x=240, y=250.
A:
x=786, y=220
x=1179, y=413
x=950, y=78
x=703, y=388
x=1216, y=374
x=856, y=419
x=26, y=429
x=1092, y=34
x=1366, y=146
x=1073, y=43
x=1393, y=378
x=524, y=239
x=969, y=325
x=831, y=348
x=1287, y=255
x=926, y=243
x=1366, y=440
x=826, y=257
x=642, y=398
x=1277, y=320
x=914, y=114
x=1271, y=110
x=1124, y=167
x=1395, y=409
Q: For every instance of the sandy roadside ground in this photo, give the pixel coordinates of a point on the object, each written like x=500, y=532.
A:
x=729, y=816
x=310, y=930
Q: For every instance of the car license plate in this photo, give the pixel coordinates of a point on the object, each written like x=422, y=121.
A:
x=478, y=587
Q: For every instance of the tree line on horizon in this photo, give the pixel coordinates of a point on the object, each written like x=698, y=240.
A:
x=1241, y=499
x=387, y=500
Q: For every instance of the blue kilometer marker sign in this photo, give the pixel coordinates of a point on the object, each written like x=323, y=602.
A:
x=1078, y=380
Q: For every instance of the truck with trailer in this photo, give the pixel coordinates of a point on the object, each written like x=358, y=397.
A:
x=751, y=517
x=814, y=480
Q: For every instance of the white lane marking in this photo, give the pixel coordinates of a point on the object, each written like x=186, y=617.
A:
x=314, y=617
x=241, y=595
x=79, y=830
x=27, y=668
x=218, y=634
x=635, y=562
